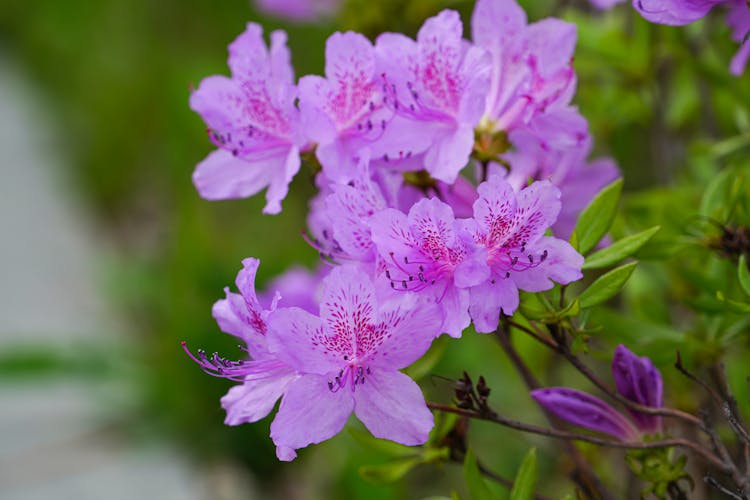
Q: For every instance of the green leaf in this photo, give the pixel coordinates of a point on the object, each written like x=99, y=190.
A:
x=523, y=486
x=619, y=250
x=595, y=220
x=424, y=365
x=733, y=305
x=606, y=286
x=381, y=445
x=477, y=487
x=743, y=273
x=390, y=472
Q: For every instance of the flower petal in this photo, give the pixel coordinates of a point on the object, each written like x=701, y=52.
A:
x=309, y=413
x=488, y=299
x=585, y=410
x=409, y=325
x=391, y=406
x=254, y=399
x=294, y=337
x=638, y=380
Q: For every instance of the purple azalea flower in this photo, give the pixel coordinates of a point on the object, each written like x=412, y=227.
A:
x=542, y=154
x=511, y=226
x=681, y=12
x=299, y=10
x=439, y=83
x=674, y=12
x=429, y=253
x=531, y=64
x=339, y=214
x=253, y=121
x=639, y=380
x=348, y=359
x=346, y=111
x=585, y=410
x=264, y=377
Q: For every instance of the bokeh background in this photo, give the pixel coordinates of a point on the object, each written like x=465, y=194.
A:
x=108, y=257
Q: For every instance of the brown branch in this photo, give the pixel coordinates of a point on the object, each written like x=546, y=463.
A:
x=572, y=436
x=585, y=476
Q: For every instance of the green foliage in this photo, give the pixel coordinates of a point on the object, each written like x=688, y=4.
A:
x=525, y=482
x=659, y=469
x=477, y=487
x=619, y=250
x=606, y=286
x=596, y=219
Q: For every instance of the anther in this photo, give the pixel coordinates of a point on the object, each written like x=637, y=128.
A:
x=544, y=256
x=403, y=284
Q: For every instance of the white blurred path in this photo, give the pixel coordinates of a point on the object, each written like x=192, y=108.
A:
x=54, y=443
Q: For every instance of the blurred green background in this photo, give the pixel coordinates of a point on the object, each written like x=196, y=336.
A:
x=113, y=81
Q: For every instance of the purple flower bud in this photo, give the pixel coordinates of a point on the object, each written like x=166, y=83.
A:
x=640, y=381
x=585, y=410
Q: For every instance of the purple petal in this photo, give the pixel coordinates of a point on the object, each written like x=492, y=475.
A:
x=495, y=210
x=488, y=299
x=561, y=264
x=552, y=42
x=638, y=380
x=348, y=307
x=392, y=406
x=221, y=176
x=496, y=23
x=450, y=154
x=585, y=410
x=674, y=12
x=310, y=413
x=405, y=327
x=254, y=399
x=294, y=337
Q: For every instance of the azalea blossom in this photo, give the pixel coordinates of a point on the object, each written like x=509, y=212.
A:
x=681, y=12
x=639, y=380
x=584, y=410
x=252, y=120
x=531, y=64
x=264, y=377
x=511, y=226
x=346, y=111
x=636, y=378
x=439, y=83
x=428, y=252
x=348, y=359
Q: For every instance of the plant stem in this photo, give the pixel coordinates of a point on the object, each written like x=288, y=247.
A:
x=572, y=436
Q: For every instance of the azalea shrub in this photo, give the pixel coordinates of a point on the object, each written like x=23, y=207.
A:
x=456, y=195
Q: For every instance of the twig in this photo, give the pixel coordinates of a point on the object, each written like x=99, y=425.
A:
x=532, y=333
x=572, y=436
x=585, y=475
x=711, y=481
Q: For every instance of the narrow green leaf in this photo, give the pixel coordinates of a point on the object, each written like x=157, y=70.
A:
x=477, y=487
x=606, y=286
x=595, y=220
x=619, y=250
x=743, y=273
x=390, y=472
x=733, y=305
x=525, y=482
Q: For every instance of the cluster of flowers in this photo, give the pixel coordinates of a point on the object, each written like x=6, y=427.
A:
x=425, y=216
